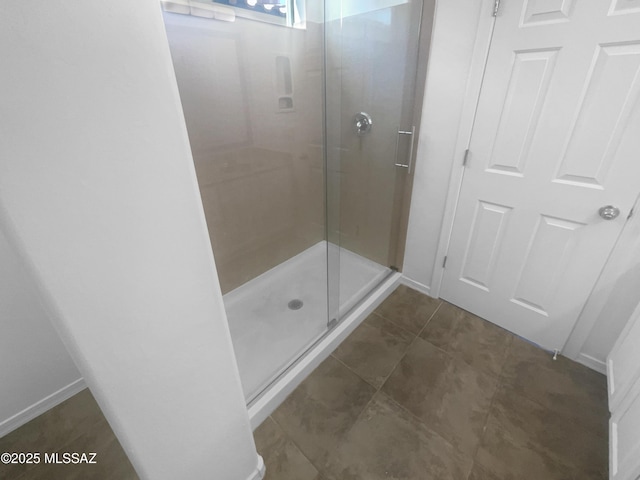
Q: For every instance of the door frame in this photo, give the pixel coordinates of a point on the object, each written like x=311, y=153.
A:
x=479, y=58
x=590, y=310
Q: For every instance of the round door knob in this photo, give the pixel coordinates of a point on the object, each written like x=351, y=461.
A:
x=609, y=212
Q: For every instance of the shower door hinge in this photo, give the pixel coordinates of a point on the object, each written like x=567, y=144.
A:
x=444, y=262
x=496, y=8
x=630, y=213
x=465, y=158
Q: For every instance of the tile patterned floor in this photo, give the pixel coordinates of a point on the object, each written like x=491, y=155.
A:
x=420, y=390
x=425, y=390
x=76, y=425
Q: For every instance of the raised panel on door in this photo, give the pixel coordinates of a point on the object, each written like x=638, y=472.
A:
x=622, y=7
x=554, y=139
x=525, y=95
x=483, y=247
x=540, y=12
x=610, y=97
x=548, y=253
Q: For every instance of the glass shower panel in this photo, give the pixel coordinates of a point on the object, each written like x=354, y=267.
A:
x=371, y=60
x=252, y=95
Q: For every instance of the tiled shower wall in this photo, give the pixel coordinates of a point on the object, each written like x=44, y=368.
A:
x=259, y=167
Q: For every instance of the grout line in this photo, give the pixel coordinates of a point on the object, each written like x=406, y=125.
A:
x=490, y=409
x=392, y=323
x=493, y=397
x=424, y=424
x=503, y=383
x=404, y=352
x=296, y=445
x=354, y=372
x=430, y=318
x=416, y=336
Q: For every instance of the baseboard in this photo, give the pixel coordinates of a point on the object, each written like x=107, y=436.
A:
x=592, y=363
x=40, y=407
x=415, y=285
x=258, y=473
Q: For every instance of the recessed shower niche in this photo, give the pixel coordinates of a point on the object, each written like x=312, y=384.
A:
x=284, y=83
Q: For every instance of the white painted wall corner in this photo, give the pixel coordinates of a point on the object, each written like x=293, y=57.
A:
x=41, y=406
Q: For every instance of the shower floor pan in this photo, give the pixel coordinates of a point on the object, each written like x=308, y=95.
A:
x=278, y=315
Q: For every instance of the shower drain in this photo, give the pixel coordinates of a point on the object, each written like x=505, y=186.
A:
x=295, y=304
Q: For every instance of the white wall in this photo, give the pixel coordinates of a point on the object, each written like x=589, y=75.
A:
x=36, y=372
x=624, y=298
x=99, y=198
x=450, y=61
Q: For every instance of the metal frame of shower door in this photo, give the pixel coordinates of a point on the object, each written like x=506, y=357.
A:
x=404, y=178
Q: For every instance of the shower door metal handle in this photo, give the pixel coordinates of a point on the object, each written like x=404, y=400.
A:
x=410, y=134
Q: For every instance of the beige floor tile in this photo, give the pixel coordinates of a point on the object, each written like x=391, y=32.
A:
x=408, y=309
x=477, y=342
x=442, y=402
x=389, y=443
x=478, y=473
x=323, y=408
x=504, y=456
x=449, y=396
x=111, y=461
x=374, y=349
x=550, y=433
x=563, y=386
x=51, y=431
x=283, y=459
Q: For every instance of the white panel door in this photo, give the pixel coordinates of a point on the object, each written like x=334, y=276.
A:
x=623, y=362
x=624, y=439
x=556, y=137
x=623, y=376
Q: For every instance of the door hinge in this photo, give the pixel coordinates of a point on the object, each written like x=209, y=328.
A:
x=496, y=7
x=465, y=158
x=630, y=213
x=444, y=262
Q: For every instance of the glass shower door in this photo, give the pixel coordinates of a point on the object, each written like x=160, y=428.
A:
x=371, y=60
x=252, y=96
x=294, y=135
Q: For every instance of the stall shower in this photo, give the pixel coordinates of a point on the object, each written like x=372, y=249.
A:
x=302, y=128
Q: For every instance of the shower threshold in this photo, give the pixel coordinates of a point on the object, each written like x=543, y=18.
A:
x=272, y=340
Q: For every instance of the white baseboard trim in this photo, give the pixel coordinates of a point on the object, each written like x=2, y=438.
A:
x=415, y=285
x=38, y=408
x=258, y=473
x=592, y=363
